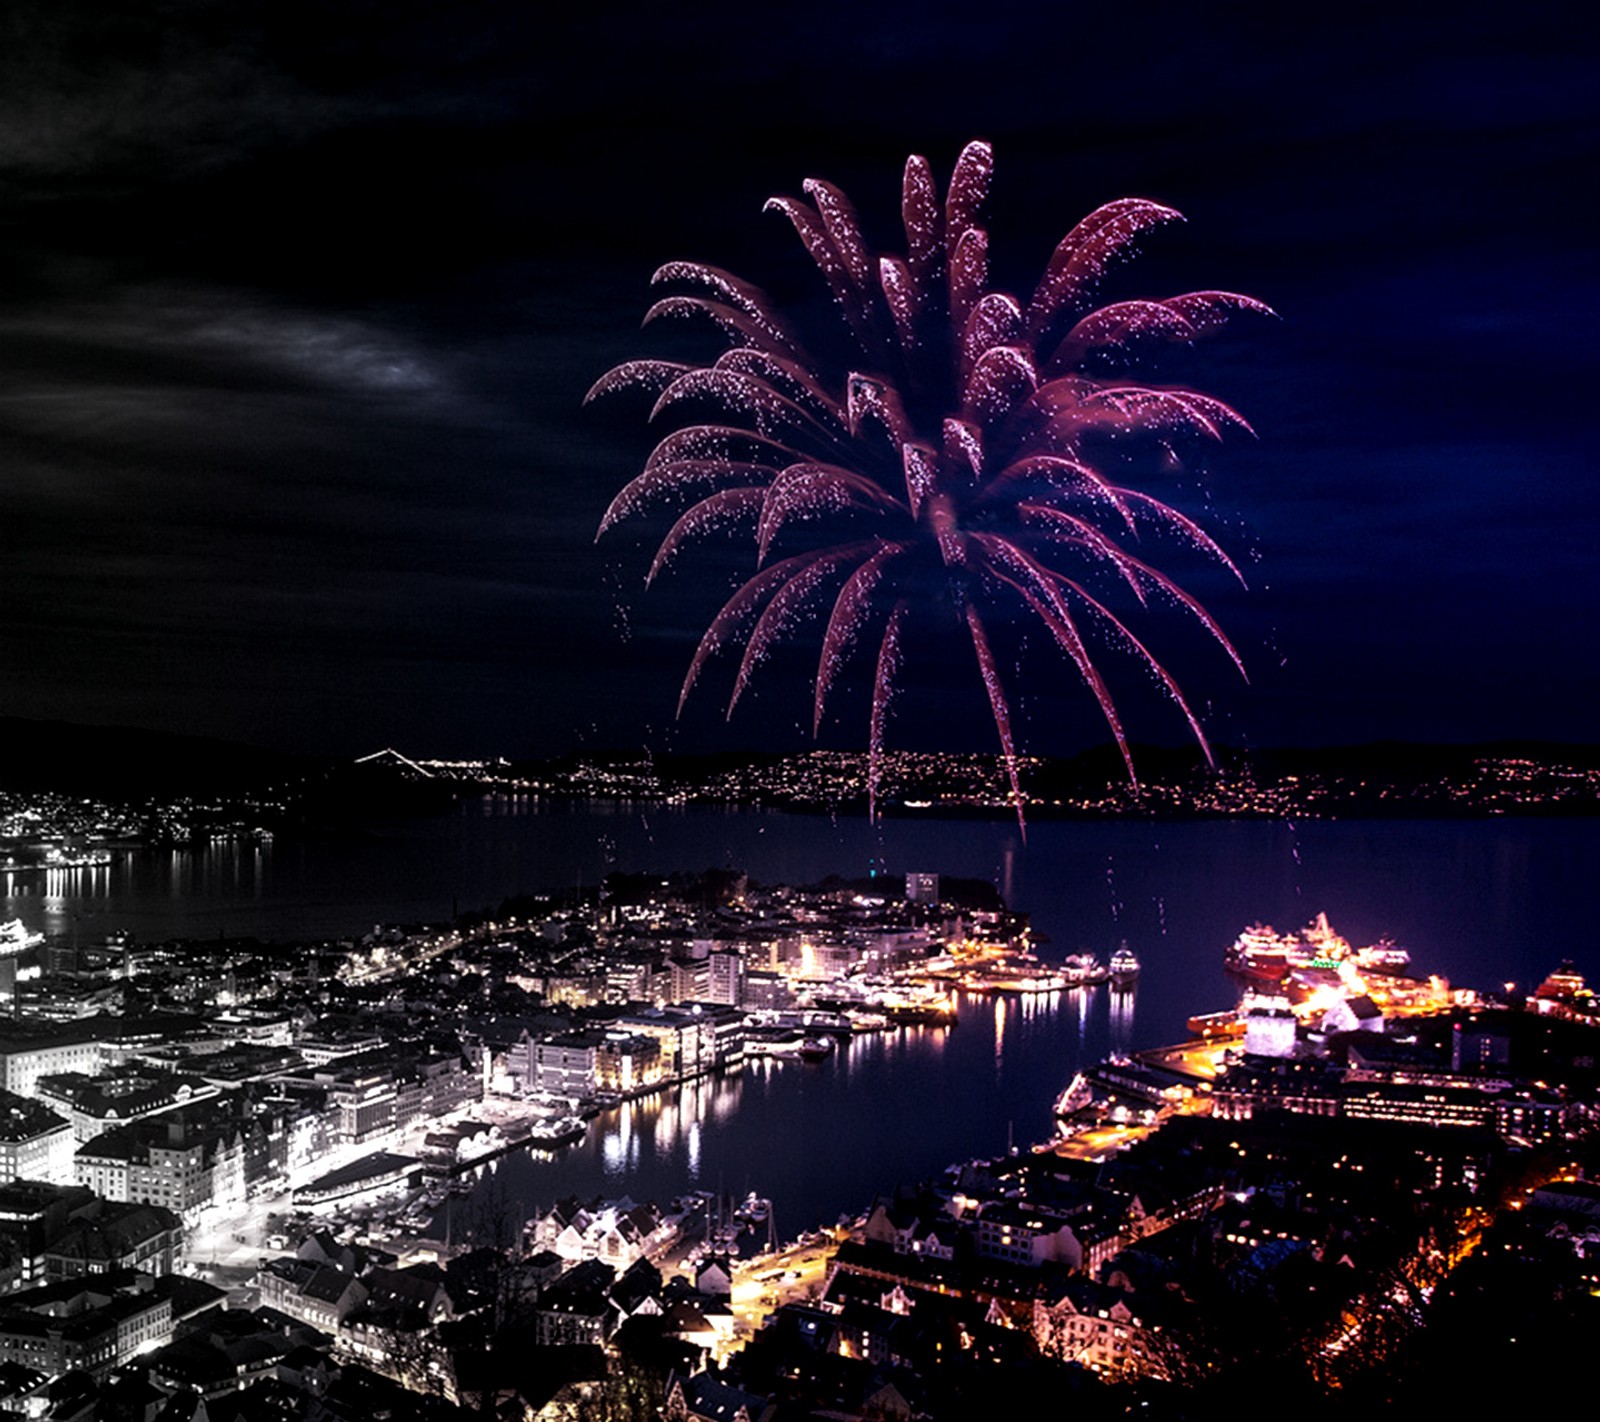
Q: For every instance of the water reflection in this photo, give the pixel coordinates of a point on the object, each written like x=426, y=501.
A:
x=669, y=1128
x=619, y=1146
x=1121, y=998
x=823, y=1139
x=187, y=883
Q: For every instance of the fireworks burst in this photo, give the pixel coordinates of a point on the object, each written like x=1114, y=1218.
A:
x=972, y=448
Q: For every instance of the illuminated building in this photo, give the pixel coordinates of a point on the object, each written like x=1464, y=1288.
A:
x=1087, y=1323
x=628, y=1061
x=1269, y=1027
x=566, y=1065
x=25, y=1058
x=35, y=1143
x=90, y=1325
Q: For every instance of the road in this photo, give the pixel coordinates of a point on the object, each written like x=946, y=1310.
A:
x=768, y=1281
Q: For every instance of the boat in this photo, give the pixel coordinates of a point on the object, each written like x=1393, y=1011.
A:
x=553, y=1121
x=816, y=1049
x=556, y=1131
x=1124, y=965
x=774, y=1042
x=1082, y=969
x=1315, y=956
x=754, y=1210
x=981, y=969
x=1260, y=953
x=1384, y=956
x=1079, y=1094
x=1265, y=955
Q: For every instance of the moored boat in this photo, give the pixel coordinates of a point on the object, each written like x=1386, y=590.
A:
x=755, y=1210
x=1079, y=1094
x=557, y=1131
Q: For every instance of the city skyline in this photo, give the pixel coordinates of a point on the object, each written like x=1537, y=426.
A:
x=298, y=317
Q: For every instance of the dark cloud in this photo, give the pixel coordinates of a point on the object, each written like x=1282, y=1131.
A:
x=116, y=97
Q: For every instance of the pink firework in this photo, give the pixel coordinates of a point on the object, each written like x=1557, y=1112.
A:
x=973, y=446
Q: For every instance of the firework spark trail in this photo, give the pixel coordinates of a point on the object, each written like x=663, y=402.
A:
x=966, y=450
x=884, y=684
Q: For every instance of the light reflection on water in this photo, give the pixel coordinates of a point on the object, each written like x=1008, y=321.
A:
x=821, y=1140
x=1121, y=1002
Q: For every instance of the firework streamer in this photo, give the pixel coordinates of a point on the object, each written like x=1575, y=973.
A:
x=973, y=444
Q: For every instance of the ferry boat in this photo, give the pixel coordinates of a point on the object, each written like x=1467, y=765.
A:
x=54, y=860
x=1124, y=965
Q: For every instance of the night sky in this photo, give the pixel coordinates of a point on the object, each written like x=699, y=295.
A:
x=299, y=303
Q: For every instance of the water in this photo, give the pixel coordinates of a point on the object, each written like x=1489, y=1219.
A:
x=1481, y=902
x=821, y=1140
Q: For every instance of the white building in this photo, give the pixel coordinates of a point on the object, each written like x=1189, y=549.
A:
x=1269, y=1027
